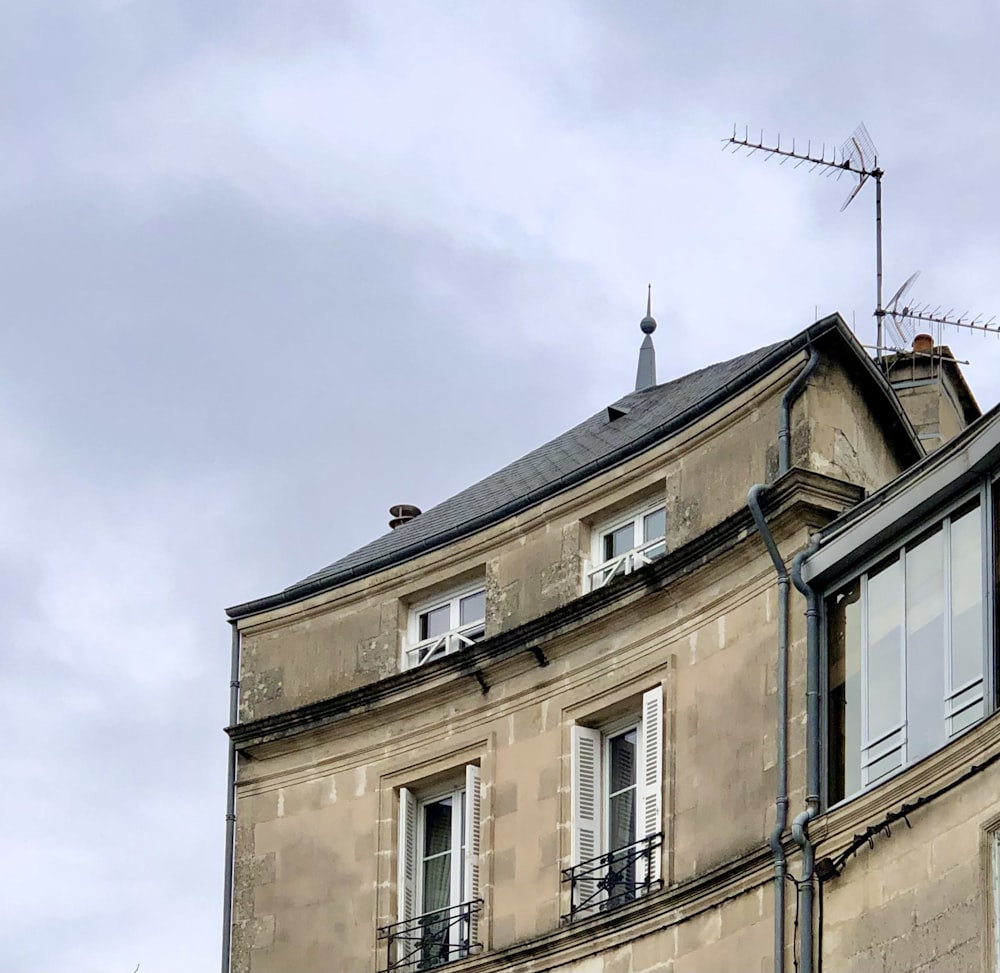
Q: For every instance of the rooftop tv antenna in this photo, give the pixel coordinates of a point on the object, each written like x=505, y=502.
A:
x=859, y=158
x=904, y=319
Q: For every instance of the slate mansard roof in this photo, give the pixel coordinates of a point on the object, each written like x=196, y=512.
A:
x=646, y=418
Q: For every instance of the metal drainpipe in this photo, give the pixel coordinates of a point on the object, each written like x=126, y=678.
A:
x=800, y=826
x=785, y=419
x=227, y=900
x=781, y=736
x=781, y=795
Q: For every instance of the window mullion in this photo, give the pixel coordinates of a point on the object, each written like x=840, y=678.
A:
x=989, y=559
x=949, y=620
x=903, y=660
x=865, y=687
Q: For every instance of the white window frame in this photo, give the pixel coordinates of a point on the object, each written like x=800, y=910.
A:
x=456, y=846
x=590, y=792
x=465, y=858
x=609, y=733
x=600, y=570
x=897, y=739
x=417, y=651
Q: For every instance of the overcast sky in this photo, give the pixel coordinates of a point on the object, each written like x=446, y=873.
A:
x=270, y=266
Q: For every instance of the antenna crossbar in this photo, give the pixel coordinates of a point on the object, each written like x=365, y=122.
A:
x=846, y=162
x=962, y=321
x=859, y=157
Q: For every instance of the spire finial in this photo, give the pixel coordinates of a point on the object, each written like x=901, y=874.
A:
x=645, y=374
x=648, y=323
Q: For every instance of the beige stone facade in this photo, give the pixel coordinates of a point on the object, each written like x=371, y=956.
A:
x=333, y=731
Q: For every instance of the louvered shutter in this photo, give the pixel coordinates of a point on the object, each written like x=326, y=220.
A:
x=650, y=781
x=585, y=781
x=473, y=815
x=406, y=880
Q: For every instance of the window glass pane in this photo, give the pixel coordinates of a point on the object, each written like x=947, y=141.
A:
x=925, y=645
x=619, y=541
x=472, y=608
x=435, y=622
x=437, y=827
x=622, y=750
x=966, y=598
x=622, y=756
x=654, y=525
x=844, y=659
x=437, y=855
x=621, y=820
x=883, y=686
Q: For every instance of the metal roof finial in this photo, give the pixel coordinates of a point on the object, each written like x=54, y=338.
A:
x=648, y=323
x=645, y=375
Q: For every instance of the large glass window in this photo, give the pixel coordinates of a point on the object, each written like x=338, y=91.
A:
x=910, y=625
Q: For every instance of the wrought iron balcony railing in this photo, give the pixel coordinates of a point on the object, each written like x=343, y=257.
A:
x=612, y=879
x=433, y=939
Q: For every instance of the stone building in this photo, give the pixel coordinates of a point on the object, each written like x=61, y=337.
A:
x=705, y=683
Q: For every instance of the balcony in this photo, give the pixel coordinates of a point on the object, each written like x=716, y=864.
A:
x=626, y=563
x=612, y=879
x=433, y=939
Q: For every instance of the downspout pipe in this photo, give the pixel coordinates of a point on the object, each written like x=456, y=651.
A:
x=774, y=840
x=781, y=756
x=785, y=415
x=800, y=826
x=227, y=889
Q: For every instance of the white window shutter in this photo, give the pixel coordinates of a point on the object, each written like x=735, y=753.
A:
x=473, y=816
x=406, y=879
x=585, y=781
x=650, y=780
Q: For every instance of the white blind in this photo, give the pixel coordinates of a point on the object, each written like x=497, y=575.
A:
x=473, y=815
x=650, y=780
x=585, y=781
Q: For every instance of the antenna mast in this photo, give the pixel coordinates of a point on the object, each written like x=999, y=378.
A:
x=858, y=157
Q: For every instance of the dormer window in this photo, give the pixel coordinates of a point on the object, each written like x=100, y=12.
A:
x=445, y=625
x=627, y=543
